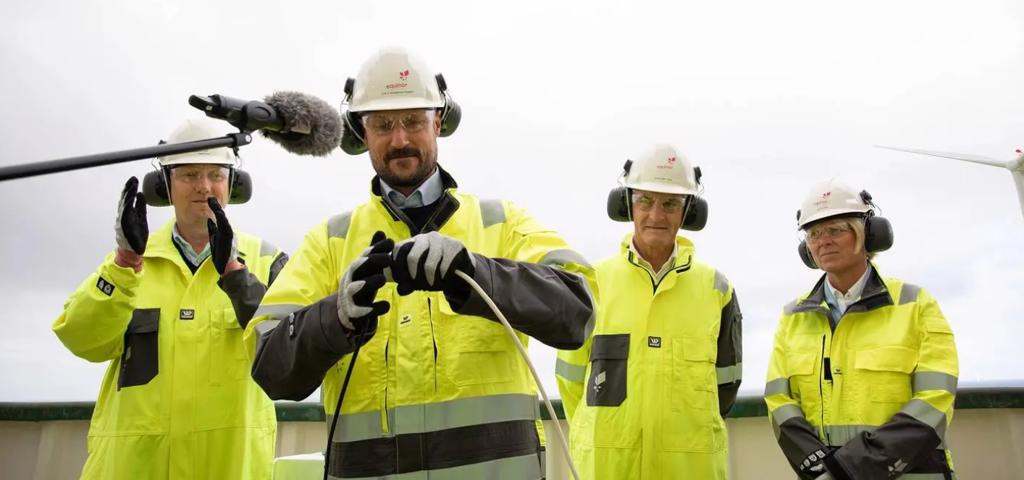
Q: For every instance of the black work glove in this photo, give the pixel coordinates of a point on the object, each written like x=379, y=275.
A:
x=131, y=229
x=834, y=468
x=223, y=246
x=365, y=275
x=428, y=262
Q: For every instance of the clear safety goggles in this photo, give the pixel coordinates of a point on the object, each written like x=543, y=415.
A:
x=382, y=123
x=194, y=174
x=827, y=230
x=645, y=203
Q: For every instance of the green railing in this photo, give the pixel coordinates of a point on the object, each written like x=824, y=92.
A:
x=746, y=406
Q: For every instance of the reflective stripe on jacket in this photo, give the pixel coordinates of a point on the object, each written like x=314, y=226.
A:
x=177, y=400
x=880, y=387
x=646, y=394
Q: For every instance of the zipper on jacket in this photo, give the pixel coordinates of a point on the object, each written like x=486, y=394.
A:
x=384, y=408
x=433, y=339
x=821, y=391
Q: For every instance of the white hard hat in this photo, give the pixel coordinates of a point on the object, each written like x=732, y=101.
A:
x=829, y=199
x=662, y=169
x=393, y=79
x=200, y=128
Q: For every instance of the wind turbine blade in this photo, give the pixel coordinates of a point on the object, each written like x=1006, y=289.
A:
x=956, y=156
x=1018, y=180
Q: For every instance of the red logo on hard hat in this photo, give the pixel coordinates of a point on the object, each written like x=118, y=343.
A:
x=403, y=74
x=826, y=195
x=671, y=161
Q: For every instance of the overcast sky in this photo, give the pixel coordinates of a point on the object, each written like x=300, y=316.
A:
x=767, y=97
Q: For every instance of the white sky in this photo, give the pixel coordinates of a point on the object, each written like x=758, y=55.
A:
x=767, y=97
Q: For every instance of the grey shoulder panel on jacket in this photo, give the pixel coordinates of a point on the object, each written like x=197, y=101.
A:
x=337, y=226
x=492, y=212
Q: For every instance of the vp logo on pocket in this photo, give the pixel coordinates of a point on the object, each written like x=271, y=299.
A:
x=654, y=342
x=187, y=314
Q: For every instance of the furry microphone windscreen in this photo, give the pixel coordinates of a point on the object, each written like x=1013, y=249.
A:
x=311, y=125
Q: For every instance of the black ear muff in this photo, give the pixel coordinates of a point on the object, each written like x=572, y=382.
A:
x=618, y=204
x=805, y=255
x=696, y=215
x=154, y=188
x=451, y=113
x=353, y=136
x=241, y=187
x=878, y=236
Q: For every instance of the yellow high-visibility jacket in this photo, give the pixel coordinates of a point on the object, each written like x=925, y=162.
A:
x=875, y=394
x=177, y=401
x=646, y=394
x=436, y=392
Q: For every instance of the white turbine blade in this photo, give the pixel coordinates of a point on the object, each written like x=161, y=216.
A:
x=956, y=156
x=1018, y=180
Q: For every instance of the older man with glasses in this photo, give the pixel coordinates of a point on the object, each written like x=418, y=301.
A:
x=647, y=392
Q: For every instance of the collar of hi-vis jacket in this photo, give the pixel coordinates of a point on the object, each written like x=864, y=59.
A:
x=447, y=204
x=161, y=245
x=684, y=253
x=875, y=295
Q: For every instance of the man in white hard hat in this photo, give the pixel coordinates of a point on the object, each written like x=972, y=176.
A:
x=647, y=393
x=437, y=389
x=167, y=311
x=862, y=378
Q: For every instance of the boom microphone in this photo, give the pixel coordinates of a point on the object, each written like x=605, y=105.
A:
x=300, y=123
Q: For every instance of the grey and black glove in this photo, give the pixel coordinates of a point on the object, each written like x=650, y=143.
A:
x=356, y=309
x=223, y=245
x=428, y=262
x=131, y=229
x=813, y=467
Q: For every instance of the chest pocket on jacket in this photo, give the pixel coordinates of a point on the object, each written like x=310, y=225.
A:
x=606, y=386
x=885, y=372
x=694, y=376
x=140, y=359
x=481, y=351
x=227, y=353
x=800, y=366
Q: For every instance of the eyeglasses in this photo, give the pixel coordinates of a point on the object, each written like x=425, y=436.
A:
x=194, y=175
x=383, y=123
x=669, y=205
x=821, y=232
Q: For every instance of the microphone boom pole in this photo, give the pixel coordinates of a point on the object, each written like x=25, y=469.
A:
x=233, y=140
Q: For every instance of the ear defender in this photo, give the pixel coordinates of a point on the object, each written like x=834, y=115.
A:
x=241, y=187
x=353, y=137
x=451, y=113
x=805, y=255
x=696, y=214
x=618, y=204
x=154, y=188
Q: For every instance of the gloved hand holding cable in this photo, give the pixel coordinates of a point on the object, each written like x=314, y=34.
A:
x=365, y=275
x=131, y=229
x=428, y=262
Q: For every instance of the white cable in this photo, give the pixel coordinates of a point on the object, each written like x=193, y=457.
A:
x=526, y=357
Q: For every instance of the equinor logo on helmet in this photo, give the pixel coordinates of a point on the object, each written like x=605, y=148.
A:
x=402, y=76
x=670, y=163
